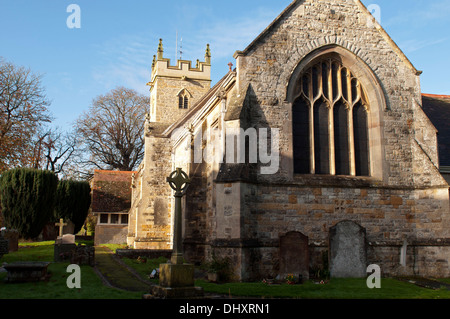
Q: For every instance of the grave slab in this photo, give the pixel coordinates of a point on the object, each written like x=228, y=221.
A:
x=26, y=271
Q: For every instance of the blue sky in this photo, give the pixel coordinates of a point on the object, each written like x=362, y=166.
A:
x=117, y=40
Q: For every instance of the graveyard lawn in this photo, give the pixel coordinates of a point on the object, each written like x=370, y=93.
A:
x=334, y=289
x=92, y=286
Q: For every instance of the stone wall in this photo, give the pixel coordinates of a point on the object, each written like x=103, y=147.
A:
x=268, y=65
x=151, y=213
x=389, y=216
x=405, y=197
x=110, y=234
x=243, y=216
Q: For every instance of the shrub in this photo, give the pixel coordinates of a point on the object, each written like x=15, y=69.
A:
x=220, y=266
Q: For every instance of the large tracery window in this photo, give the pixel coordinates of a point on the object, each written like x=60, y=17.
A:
x=330, y=122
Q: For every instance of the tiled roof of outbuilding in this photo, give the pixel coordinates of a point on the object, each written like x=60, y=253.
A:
x=111, y=191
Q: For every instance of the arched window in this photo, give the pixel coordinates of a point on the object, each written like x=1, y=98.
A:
x=183, y=99
x=330, y=121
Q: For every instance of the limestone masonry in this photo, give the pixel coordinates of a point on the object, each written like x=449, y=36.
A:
x=348, y=106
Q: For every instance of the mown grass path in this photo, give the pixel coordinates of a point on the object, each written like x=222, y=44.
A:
x=116, y=274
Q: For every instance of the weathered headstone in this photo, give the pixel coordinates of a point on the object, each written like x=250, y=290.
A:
x=12, y=236
x=65, y=245
x=348, y=256
x=294, y=255
x=66, y=239
x=4, y=246
x=403, y=251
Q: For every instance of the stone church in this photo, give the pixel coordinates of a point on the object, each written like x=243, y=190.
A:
x=357, y=178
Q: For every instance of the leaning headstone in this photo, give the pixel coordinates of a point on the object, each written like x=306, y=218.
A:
x=348, y=256
x=294, y=255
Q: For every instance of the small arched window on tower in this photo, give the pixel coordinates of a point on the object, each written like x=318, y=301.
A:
x=183, y=99
x=330, y=122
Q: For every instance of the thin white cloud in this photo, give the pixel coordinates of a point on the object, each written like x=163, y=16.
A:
x=125, y=61
x=416, y=45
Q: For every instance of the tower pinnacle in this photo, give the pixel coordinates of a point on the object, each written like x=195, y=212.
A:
x=160, y=50
x=208, y=55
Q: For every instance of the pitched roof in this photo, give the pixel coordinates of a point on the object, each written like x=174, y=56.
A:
x=288, y=9
x=111, y=191
x=437, y=108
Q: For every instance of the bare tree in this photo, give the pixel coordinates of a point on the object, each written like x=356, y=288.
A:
x=112, y=130
x=55, y=149
x=23, y=111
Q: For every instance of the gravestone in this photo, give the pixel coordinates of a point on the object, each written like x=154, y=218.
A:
x=4, y=246
x=403, y=251
x=65, y=246
x=348, y=257
x=61, y=225
x=294, y=255
x=66, y=239
x=12, y=236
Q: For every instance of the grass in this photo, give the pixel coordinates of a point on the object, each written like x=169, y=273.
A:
x=334, y=289
x=93, y=287
x=144, y=269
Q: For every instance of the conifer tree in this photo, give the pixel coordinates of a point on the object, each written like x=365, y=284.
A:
x=73, y=199
x=27, y=199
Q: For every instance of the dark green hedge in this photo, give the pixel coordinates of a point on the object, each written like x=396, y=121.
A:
x=73, y=199
x=27, y=199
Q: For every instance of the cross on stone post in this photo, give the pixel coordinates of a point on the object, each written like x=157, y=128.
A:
x=179, y=182
x=61, y=225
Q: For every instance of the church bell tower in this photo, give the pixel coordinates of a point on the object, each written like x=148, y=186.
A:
x=175, y=89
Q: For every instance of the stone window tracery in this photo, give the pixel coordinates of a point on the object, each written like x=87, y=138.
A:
x=330, y=121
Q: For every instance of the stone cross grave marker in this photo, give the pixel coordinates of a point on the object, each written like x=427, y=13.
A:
x=61, y=225
x=176, y=279
x=179, y=182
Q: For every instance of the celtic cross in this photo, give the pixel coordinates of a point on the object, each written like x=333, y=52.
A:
x=179, y=182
